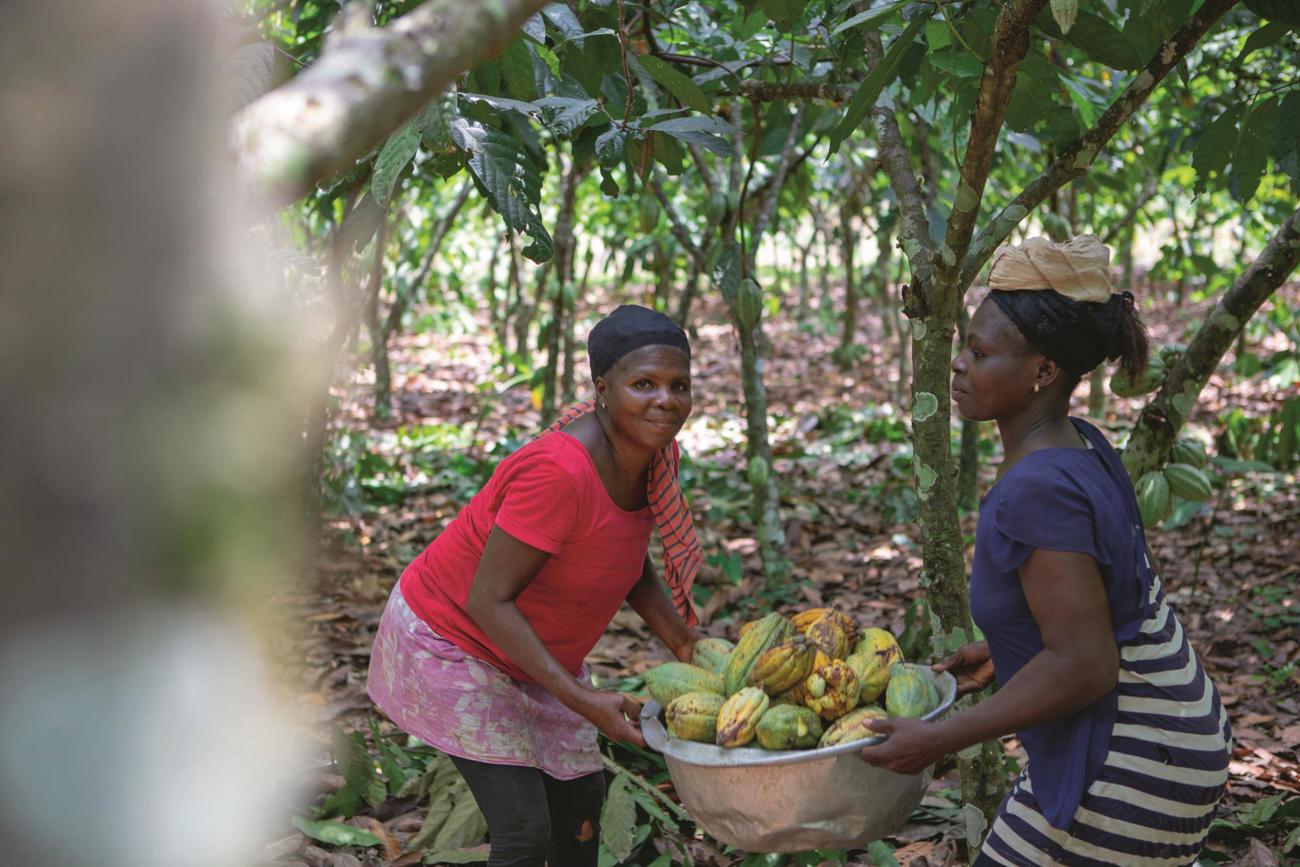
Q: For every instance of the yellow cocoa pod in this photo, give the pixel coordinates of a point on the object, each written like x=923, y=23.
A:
x=804, y=619
x=788, y=727
x=694, y=716
x=738, y=718
x=833, y=634
x=767, y=633
x=837, y=692
x=852, y=726
x=672, y=679
x=780, y=668
x=872, y=672
x=879, y=642
x=711, y=654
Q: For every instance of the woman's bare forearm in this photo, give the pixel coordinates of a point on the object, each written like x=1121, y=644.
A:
x=1050, y=686
x=653, y=605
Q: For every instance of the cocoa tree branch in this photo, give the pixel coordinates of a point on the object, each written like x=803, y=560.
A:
x=1010, y=44
x=777, y=179
x=1165, y=414
x=770, y=91
x=915, y=232
x=396, y=312
x=1075, y=160
x=711, y=182
x=676, y=224
x=367, y=83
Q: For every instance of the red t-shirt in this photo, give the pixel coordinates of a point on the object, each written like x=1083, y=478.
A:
x=547, y=495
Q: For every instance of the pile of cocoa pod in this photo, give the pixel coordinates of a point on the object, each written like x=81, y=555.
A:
x=808, y=681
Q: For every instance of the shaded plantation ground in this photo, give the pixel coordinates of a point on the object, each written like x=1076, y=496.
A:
x=845, y=465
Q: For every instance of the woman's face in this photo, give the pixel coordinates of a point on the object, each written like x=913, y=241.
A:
x=648, y=394
x=994, y=373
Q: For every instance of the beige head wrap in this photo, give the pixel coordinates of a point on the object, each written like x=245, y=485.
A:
x=1076, y=269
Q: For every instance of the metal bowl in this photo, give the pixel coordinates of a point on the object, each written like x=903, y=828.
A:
x=791, y=800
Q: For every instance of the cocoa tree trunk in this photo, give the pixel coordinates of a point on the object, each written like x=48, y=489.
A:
x=848, y=245
x=1165, y=414
x=562, y=292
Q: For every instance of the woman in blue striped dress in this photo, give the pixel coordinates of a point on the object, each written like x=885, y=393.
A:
x=1127, y=740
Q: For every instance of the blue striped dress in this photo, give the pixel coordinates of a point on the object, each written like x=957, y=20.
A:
x=1135, y=778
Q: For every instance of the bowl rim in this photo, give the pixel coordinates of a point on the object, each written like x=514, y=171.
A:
x=708, y=755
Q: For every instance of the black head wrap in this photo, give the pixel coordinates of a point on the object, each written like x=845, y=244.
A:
x=627, y=328
x=1077, y=335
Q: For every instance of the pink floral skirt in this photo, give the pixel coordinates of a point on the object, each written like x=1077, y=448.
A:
x=459, y=704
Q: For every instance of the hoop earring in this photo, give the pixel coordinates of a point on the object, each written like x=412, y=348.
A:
x=1035, y=388
x=600, y=404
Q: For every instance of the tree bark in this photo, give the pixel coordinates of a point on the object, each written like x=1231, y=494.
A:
x=375, y=326
x=367, y=82
x=932, y=303
x=563, y=288
x=849, y=325
x=1165, y=414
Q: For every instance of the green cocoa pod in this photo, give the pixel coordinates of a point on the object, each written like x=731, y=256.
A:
x=711, y=654
x=749, y=303
x=1188, y=450
x=852, y=726
x=757, y=471
x=1155, y=500
x=694, y=716
x=716, y=207
x=648, y=212
x=674, y=679
x=788, y=727
x=1188, y=482
x=762, y=636
x=910, y=693
x=1146, y=382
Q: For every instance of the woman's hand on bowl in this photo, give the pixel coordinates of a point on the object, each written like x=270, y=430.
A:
x=616, y=715
x=909, y=748
x=971, y=665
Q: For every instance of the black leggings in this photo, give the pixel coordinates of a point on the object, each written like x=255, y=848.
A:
x=534, y=819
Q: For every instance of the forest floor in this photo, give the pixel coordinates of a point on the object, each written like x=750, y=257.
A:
x=1230, y=567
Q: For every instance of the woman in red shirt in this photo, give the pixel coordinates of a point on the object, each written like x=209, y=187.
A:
x=480, y=649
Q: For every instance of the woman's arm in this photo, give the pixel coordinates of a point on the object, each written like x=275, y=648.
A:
x=648, y=599
x=505, y=569
x=1078, y=665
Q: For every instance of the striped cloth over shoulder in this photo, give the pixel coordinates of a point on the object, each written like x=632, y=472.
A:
x=682, y=551
x=1152, y=803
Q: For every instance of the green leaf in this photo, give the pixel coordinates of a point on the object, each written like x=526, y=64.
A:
x=434, y=123
x=869, y=91
x=1286, y=136
x=610, y=146
x=677, y=83
x=465, y=825
x=334, y=833
x=957, y=62
x=501, y=103
x=882, y=854
x=871, y=18
x=1214, y=145
x=561, y=17
x=1251, y=155
x=510, y=181
x=1104, y=43
x=397, y=154
x=618, y=818
x=707, y=132
x=475, y=855
x=517, y=69
x=785, y=14
x=563, y=115
x=1065, y=12
x=1285, y=11
x=1082, y=101
x=937, y=35
x=1262, y=38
